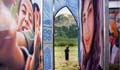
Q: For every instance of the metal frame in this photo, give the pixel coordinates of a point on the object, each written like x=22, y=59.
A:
x=106, y=34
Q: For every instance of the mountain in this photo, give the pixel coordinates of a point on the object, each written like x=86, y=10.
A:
x=64, y=20
x=65, y=26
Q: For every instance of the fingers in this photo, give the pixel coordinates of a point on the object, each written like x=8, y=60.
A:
x=37, y=41
x=28, y=62
x=37, y=17
x=37, y=38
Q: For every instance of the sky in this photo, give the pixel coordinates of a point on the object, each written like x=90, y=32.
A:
x=64, y=10
x=38, y=2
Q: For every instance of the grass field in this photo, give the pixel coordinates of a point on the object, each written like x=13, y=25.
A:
x=61, y=64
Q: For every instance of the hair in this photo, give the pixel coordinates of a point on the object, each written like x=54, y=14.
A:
x=92, y=62
x=35, y=5
x=67, y=47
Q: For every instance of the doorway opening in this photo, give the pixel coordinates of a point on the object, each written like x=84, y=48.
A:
x=65, y=34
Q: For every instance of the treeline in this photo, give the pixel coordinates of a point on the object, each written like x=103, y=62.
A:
x=60, y=41
x=66, y=31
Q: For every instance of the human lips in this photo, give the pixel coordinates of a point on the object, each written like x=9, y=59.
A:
x=87, y=40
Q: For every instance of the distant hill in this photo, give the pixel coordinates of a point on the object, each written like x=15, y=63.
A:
x=65, y=26
x=65, y=32
x=64, y=20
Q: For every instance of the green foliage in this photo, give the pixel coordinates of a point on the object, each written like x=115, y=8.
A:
x=66, y=32
x=61, y=18
x=61, y=44
x=71, y=44
x=60, y=41
x=73, y=32
x=65, y=26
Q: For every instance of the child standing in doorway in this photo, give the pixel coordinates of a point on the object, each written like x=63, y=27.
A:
x=67, y=53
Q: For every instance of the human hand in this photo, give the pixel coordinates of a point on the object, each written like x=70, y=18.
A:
x=37, y=41
x=28, y=62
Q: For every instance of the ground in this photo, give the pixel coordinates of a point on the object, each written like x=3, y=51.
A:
x=61, y=64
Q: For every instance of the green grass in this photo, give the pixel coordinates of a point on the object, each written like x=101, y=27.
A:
x=60, y=63
x=61, y=41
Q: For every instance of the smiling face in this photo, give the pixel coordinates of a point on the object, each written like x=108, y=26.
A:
x=88, y=24
x=25, y=18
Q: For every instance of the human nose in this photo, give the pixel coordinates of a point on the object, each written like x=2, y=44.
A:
x=26, y=18
x=24, y=26
x=86, y=25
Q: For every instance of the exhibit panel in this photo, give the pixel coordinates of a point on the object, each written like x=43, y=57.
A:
x=114, y=34
x=20, y=30
x=92, y=42
x=47, y=30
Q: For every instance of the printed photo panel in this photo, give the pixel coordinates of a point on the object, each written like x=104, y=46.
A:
x=91, y=38
x=114, y=34
x=47, y=30
x=20, y=30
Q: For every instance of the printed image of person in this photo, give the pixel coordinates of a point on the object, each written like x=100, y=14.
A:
x=15, y=58
x=90, y=35
x=114, y=37
x=25, y=15
x=37, y=15
x=113, y=34
x=25, y=32
x=37, y=57
x=118, y=27
x=11, y=57
x=29, y=25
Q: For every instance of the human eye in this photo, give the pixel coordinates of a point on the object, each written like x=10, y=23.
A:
x=83, y=19
x=23, y=9
x=89, y=10
x=24, y=12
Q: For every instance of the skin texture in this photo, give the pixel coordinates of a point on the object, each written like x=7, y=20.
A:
x=33, y=64
x=37, y=40
x=25, y=17
x=88, y=25
x=9, y=3
x=10, y=39
x=10, y=54
x=24, y=20
x=113, y=30
x=90, y=35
